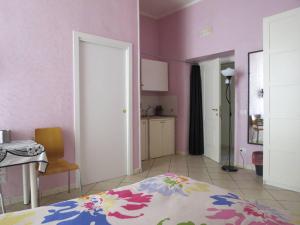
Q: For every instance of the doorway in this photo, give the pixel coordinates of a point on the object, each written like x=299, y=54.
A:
x=102, y=72
x=216, y=109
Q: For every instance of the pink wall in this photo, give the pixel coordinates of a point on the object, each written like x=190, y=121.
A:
x=178, y=84
x=237, y=25
x=149, y=36
x=149, y=43
x=36, y=81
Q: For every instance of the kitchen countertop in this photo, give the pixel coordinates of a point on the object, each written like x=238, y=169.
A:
x=156, y=117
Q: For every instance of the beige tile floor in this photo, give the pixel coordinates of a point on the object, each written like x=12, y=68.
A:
x=244, y=183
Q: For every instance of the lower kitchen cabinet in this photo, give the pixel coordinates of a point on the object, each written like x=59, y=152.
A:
x=144, y=140
x=161, y=137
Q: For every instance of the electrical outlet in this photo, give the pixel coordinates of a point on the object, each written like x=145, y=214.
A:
x=243, y=150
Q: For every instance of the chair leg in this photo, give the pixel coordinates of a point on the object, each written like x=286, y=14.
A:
x=69, y=181
x=39, y=190
x=2, y=201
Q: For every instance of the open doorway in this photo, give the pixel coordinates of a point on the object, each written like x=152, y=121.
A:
x=216, y=109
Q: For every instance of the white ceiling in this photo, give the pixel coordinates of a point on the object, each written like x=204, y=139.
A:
x=159, y=8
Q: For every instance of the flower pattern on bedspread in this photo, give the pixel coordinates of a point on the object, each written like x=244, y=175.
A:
x=98, y=208
x=183, y=223
x=245, y=212
x=170, y=183
x=225, y=199
x=167, y=199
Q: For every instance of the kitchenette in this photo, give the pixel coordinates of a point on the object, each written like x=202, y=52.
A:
x=158, y=111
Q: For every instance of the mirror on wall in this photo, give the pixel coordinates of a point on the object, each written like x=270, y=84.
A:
x=255, y=98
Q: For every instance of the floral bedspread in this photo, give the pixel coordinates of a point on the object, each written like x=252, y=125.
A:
x=161, y=200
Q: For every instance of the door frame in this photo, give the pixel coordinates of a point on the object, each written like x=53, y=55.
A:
x=127, y=47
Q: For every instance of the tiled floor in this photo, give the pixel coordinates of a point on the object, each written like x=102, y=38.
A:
x=244, y=183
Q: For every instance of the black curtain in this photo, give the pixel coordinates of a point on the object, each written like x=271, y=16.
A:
x=196, y=142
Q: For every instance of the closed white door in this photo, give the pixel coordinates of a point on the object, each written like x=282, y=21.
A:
x=103, y=100
x=155, y=138
x=210, y=74
x=282, y=98
x=144, y=140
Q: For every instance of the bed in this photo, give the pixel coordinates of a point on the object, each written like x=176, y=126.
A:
x=162, y=200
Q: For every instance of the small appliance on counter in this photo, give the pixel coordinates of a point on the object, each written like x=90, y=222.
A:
x=4, y=136
x=158, y=110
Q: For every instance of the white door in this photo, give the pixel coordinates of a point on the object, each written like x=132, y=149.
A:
x=210, y=74
x=103, y=101
x=282, y=98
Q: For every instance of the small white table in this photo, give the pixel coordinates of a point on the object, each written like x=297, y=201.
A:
x=26, y=153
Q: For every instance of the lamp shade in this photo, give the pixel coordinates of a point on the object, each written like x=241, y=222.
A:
x=228, y=72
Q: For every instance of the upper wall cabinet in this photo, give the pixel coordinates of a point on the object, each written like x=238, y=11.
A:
x=154, y=75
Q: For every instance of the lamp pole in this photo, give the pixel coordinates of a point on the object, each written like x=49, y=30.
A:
x=229, y=167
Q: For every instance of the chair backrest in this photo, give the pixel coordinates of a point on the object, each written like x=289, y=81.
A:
x=260, y=122
x=52, y=140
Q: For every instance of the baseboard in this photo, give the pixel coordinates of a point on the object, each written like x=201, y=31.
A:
x=57, y=190
x=180, y=153
x=280, y=185
x=52, y=191
x=12, y=200
x=247, y=167
x=137, y=170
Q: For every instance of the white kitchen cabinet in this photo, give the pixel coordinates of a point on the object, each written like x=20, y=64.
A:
x=168, y=136
x=144, y=140
x=161, y=137
x=154, y=75
x=155, y=138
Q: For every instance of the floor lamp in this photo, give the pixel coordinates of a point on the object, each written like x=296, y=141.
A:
x=228, y=74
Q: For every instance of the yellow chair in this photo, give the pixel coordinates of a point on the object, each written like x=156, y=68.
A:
x=52, y=140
